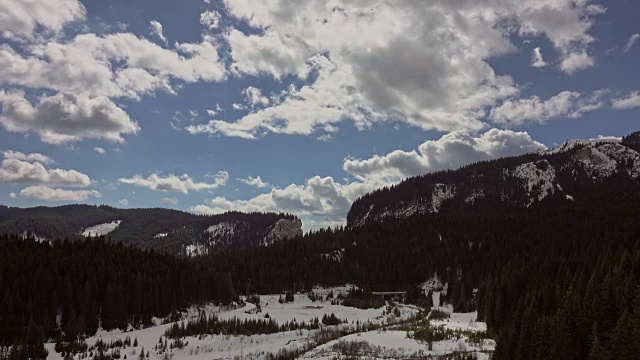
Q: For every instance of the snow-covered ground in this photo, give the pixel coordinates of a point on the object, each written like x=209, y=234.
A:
x=389, y=341
x=395, y=344
x=102, y=229
x=303, y=309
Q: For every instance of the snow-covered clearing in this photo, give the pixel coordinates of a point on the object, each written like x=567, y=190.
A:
x=303, y=309
x=102, y=229
x=395, y=344
x=390, y=341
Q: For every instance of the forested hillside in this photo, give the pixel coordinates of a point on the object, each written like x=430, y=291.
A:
x=578, y=173
x=165, y=230
x=87, y=283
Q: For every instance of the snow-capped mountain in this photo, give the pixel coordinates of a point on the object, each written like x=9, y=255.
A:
x=578, y=172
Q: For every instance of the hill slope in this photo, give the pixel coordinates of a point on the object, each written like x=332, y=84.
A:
x=165, y=230
x=577, y=173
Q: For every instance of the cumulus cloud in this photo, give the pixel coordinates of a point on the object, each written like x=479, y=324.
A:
x=451, y=151
x=632, y=41
x=19, y=19
x=37, y=157
x=632, y=100
x=41, y=192
x=183, y=183
x=113, y=65
x=123, y=202
x=156, y=30
x=576, y=61
x=318, y=196
x=18, y=171
x=99, y=150
x=65, y=117
x=170, y=200
x=255, y=181
x=210, y=19
x=253, y=97
x=343, y=50
x=537, y=60
x=324, y=201
x=565, y=104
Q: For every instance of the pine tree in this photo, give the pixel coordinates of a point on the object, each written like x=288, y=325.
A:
x=621, y=339
x=596, y=351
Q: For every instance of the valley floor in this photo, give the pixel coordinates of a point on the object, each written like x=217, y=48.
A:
x=389, y=339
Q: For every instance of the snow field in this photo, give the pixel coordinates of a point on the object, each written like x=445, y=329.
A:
x=102, y=229
x=386, y=342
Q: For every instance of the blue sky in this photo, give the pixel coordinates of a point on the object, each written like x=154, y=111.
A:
x=299, y=106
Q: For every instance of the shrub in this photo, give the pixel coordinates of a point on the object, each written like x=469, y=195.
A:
x=331, y=319
x=436, y=314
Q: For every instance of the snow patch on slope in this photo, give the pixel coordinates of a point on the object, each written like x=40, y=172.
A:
x=440, y=194
x=196, y=249
x=572, y=144
x=284, y=229
x=41, y=239
x=102, y=229
x=161, y=235
x=471, y=199
x=539, y=178
x=335, y=256
x=221, y=229
x=220, y=233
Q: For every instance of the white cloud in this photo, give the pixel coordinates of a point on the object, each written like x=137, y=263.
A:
x=537, y=60
x=99, y=150
x=214, y=112
x=19, y=19
x=50, y=194
x=343, y=50
x=37, y=157
x=113, y=65
x=156, y=30
x=269, y=54
x=65, y=117
x=632, y=100
x=632, y=41
x=565, y=104
x=253, y=97
x=170, y=200
x=13, y=195
x=576, y=61
x=324, y=201
x=210, y=19
x=182, y=184
x=123, y=202
x=18, y=171
x=318, y=197
x=451, y=151
x=255, y=181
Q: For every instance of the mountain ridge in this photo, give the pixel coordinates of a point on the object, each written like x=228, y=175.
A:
x=573, y=174
x=165, y=230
